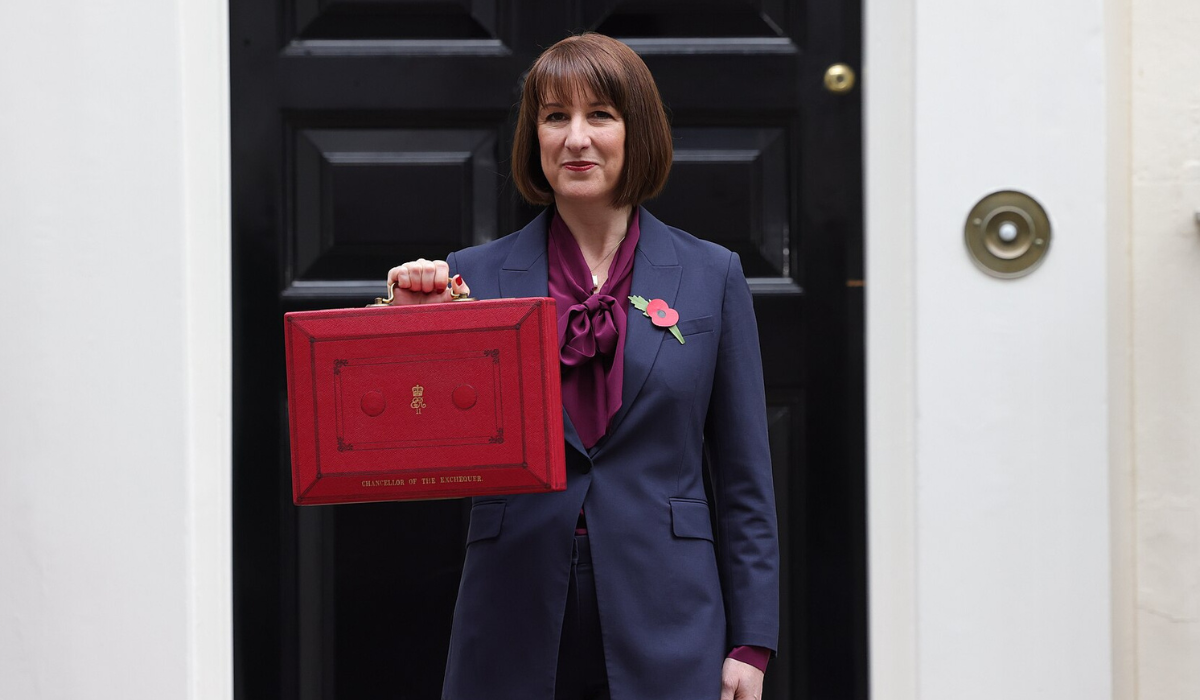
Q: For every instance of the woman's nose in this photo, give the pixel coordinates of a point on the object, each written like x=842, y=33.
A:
x=578, y=137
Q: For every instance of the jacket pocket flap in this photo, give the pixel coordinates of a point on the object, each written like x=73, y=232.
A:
x=486, y=519
x=692, y=326
x=690, y=519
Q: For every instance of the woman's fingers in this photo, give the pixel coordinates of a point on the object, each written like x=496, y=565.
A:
x=424, y=281
x=404, y=277
x=740, y=681
x=459, y=287
x=441, y=275
x=423, y=276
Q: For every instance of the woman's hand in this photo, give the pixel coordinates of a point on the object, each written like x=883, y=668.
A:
x=740, y=681
x=425, y=282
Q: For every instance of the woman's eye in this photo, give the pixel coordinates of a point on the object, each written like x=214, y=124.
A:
x=601, y=114
x=555, y=117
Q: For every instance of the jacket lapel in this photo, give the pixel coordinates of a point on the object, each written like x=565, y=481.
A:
x=525, y=274
x=656, y=275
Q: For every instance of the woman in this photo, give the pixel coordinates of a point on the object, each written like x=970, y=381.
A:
x=614, y=588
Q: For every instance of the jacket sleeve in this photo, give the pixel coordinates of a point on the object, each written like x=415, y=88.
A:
x=740, y=463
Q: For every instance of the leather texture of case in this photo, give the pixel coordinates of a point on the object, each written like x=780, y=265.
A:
x=429, y=401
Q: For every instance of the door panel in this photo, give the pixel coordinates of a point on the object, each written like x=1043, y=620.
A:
x=729, y=185
x=687, y=19
x=359, y=198
x=370, y=132
x=352, y=20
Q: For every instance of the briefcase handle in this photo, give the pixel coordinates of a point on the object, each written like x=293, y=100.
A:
x=380, y=301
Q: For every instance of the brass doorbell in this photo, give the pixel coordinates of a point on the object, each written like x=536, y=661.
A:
x=1007, y=234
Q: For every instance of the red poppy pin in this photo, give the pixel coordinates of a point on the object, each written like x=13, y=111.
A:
x=659, y=314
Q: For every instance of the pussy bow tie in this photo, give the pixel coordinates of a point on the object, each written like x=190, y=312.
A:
x=591, y=331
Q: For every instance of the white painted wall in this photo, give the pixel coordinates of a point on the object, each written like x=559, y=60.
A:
x=1065, y=563
x=889, y=42
x=1011, y=435
x=1166, y=345
x=989, y=430
x=114, y=305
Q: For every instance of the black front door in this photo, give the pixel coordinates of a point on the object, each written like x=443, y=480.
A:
x=370, y=132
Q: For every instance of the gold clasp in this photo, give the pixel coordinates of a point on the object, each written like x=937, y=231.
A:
x=380, y=301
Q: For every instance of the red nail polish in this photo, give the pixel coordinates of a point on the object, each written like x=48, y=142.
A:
x=458, y=279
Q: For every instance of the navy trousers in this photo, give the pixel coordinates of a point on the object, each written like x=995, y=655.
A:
x=581, y=671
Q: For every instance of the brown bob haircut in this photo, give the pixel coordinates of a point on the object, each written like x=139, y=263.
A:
x=616, y=75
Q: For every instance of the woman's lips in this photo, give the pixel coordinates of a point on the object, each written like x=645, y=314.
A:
x=579, y=166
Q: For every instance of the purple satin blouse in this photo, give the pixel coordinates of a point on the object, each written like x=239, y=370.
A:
x=591, y=328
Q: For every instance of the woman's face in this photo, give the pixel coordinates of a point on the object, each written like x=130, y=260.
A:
x=583, y=148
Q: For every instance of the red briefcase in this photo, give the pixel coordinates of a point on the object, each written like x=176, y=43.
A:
x=430, y=401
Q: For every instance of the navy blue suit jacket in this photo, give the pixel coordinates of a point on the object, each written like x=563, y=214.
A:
x=673, y=598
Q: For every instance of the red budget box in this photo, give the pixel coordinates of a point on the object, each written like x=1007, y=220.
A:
x=430, y=401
